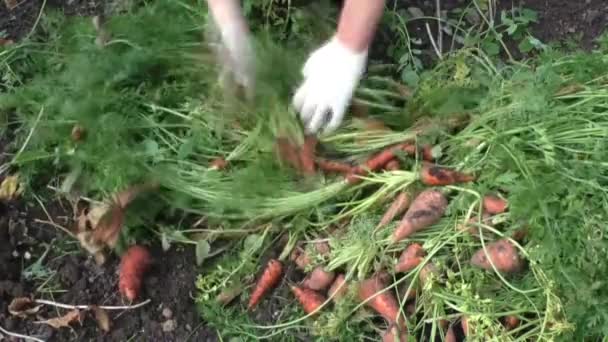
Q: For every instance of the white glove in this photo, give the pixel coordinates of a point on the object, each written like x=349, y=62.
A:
x=331, y=75
x=232, y=45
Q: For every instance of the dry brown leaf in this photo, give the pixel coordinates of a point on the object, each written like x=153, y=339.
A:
x=22, y=307
x=96, y=212
x=108, y=229
x=10, y=188
x=65, y=320
x=229, y=294
x=102, y=317
x=11, y=4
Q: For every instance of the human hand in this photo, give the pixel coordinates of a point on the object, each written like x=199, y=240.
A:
x=232, y=44
x=331, y=75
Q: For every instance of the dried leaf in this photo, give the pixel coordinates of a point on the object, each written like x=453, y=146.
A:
x=10, y=188
x=102, y=317
x=96, y=212
x=229, y=294
x=109, y=226
x=65, y=320
x=22, y=307
x=11, y=4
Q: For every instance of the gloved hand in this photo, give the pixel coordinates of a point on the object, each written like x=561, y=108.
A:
x=331, y=75
x=232, y=44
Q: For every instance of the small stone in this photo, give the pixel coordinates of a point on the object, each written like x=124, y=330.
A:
x=15, y=254
x=27, y=255
x=169, y=325
x=167, y=313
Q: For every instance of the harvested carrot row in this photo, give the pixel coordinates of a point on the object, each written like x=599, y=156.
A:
x=426, y=209
x=383, y=302
x=307, y=155
x=309, y=299
x=502, y=254
x=338, y=288
x=434, y=175
x=270, y=278
x=333, y=166
x=134, y=263
x=493, y=204
x=411, y=257
x=399, y=205
x=318, y=279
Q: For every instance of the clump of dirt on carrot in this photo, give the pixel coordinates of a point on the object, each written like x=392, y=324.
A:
x=269, y=279
x=426, y=209
x=134, y=263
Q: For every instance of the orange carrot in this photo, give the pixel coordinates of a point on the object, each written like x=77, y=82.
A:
x=332, y=166
x=399, y=205
x=307, y=155
x=338, y=288
x=411, y=257
x=493, y=204
x=427, y=153
x=269, y=279
x=288, y=153
x=379, y=160
x=502, y=254
x=465, y=325
x=353, y=176
x=395, y=334
x=309, y=299
x=434, y=175
x=426, y=209
x=511, y=322
x=219, y=163
x=450, y=336
x=373, y=292
x=392, y=165
x=318, y=279
x=134, y=263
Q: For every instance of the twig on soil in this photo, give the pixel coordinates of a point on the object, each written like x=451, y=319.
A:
x=25, y=337
x=439, y=28
x=87, y=307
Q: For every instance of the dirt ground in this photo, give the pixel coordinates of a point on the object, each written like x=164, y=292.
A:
x=76, y=279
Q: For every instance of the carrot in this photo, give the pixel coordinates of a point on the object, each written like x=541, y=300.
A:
x=464, y=322
x=219, y=163
x=332, y=166
x=426, y=209
x=307, y=155
x=427, y=153
x=394, y=334
x=502, y=254
x=392, y=165
x=288, y=153
x=319, y=279
x=399, y=205
x=353, y=176
x=383, y=302
x=410, y=308
x=411, y=257
x=450, y=336
x=134, y=263
x=338, y=288
x=309, y=299
x=301, y=258
x=434, y=175
x=511, y=322
x=493, y=204
x=269, y=279
x=379, y=160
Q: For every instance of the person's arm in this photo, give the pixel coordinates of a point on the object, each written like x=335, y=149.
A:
x=358, y=22
x=333, y=71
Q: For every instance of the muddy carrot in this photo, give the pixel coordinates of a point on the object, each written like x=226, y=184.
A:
x=426, y=209
x=331, y=166
x=434, y=175
x=307, y=155
x=269, y=279
x=318, y=279
x=427, y=153
x=372, y=292
x=411, y=257
x=511, y=322
x=338, y=288
x=450, y=336
x=502, y=254
x=395, y=334
x=399, y=205
x=133, y=265
x=309, y=299
x=493, y=204
x=301, y=258
x=464, y=322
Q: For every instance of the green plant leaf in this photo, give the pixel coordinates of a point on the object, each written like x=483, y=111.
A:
x=410, y=77
x=202, y=251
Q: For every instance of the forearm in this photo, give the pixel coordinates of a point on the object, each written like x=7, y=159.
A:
x=358, y=23
x=226, y=12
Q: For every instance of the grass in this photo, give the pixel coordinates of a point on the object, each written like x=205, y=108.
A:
x=151, y=109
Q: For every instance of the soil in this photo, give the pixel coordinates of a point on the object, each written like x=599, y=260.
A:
x=70, y=276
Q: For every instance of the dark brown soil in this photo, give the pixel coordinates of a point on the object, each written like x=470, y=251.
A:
x=75, y=278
